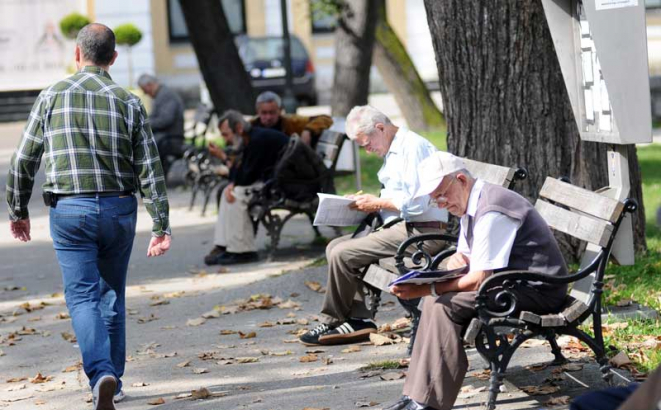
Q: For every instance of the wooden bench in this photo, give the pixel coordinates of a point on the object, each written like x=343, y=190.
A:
x=270, y=203
x=411, y=254
x=587, y=216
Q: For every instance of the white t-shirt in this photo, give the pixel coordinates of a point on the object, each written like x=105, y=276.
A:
x=493, y=235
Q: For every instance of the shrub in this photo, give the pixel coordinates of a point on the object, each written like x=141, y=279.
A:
x=72, y=23
x=127, y=34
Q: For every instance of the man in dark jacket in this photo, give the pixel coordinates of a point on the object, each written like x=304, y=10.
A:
x=234, y=237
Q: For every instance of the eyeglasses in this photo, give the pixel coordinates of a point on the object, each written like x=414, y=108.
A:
x=441, y=198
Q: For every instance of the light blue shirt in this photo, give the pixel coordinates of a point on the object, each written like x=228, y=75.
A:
x=399, y=177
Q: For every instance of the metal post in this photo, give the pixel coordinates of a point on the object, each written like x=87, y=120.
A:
x=288, y=99
x=356, y=165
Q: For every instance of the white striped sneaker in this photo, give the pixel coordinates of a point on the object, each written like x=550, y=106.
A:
x=312, y=336
x=351, y=331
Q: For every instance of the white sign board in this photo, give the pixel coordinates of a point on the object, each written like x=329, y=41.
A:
x=614, y=4
x=33, y=51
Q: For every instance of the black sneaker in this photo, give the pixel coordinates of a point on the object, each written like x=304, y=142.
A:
x=232, y=258
x=212, y=257
x=312, y=336
x=351, y=331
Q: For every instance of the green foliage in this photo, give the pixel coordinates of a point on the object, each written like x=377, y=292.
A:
x=382, y=365
x=72, y=23
x=127, y=34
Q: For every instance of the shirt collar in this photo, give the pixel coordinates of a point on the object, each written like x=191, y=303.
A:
x=474, y=197
x=398, y=141
x=95, y=70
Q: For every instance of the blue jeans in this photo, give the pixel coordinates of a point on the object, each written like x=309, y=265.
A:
x=93, y=238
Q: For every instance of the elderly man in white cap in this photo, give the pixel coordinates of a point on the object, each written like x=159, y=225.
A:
x=500, y=230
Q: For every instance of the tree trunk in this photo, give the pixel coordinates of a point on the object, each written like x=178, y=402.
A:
x=354, y=41
x=223, y=71
x=505, y=101
x=402, y=79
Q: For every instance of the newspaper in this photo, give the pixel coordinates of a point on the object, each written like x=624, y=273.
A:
x=334, y=210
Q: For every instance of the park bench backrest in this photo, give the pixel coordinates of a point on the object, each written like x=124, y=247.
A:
x=329, y=147
x=583, y=214
x=494, y=174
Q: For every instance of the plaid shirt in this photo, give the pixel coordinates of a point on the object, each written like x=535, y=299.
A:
x=96, y=138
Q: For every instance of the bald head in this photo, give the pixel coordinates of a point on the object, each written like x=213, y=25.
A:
x=97, y=44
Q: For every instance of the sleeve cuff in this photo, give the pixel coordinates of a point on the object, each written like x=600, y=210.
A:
x=157, y=232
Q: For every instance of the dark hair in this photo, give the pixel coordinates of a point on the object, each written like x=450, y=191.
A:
x=97, y=43
x=233, y=117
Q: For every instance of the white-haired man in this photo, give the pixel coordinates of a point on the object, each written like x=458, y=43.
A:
x=500, y=230
x=344, y=316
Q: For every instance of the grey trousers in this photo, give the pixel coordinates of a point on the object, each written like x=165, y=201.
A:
x=647, y=396
x=439, y=362
x=347, y=257
x=234, y=228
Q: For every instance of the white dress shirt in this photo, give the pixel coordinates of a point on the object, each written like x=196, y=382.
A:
x=399, y=179
x=493, y=235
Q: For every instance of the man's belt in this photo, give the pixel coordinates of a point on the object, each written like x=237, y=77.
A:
x=427, y=224
x=50, y=198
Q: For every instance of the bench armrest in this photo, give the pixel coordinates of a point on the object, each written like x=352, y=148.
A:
x=430, y=261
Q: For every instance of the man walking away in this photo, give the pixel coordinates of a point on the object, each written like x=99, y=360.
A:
x=99, y=150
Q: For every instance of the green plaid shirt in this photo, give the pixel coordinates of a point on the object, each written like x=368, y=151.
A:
x=95, y=137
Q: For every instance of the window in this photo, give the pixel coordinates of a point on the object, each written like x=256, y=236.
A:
x=323, y=16
x=652, y=4
x=234, y=12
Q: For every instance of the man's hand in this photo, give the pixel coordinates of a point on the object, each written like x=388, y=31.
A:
x=216, y=151
x=158, y=245
x=20, y=229
x=457, y=261
x=408, y=291
x=366, y=203
x=306, y=137
x=229, y=193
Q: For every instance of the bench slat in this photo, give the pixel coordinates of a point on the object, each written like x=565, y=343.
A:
x=582, y=227
x=494, y=174
x=327, y=152
x=581, y=199
x=331, y=137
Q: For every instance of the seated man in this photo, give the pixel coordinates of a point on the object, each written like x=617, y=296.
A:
x=269, y=115
x=499, y=230
x=166, y=117
x=344, y=316
x=234, y=236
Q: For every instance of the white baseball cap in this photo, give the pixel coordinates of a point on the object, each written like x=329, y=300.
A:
x=434, y=168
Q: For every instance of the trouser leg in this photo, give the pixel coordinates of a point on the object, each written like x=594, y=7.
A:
x=647, y=394
x=439, y=363
x=346, y=259
x=234, y=228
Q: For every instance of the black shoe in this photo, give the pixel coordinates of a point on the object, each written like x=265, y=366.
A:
x=412, y=405
x=351, y=331
x=231, y=258
x=212, y=257
x=312, y=336
x=399, y=404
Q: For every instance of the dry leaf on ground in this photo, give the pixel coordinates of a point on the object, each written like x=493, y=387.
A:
x=392, y=376
x=200, y=370
x=68, y=337
x=212, y=314
x=196, y=322
x=228, y=332
x=620, y=359
x=140, y=384
x=156, y=402
x=352, y=349
x=308, y=358
x=470, y=391
x=267, y=324
x=160, y=302
x=247, y=359
x=540, y=390
x=555, y=401
x=184, y=364
x=39, y=402
x=16, y=379
x=249, y=335
x=39, y=378
x=72, y=368
x=312, y=285
x=572, y=367
x=366, y=403
x=380, y=340
x=537, y=367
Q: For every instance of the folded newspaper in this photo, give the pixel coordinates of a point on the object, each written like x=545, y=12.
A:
x=335, y=210
x=417, y=277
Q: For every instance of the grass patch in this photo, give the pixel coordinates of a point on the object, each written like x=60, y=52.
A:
x=318, y=262
x=631, y=340
x=381, y=365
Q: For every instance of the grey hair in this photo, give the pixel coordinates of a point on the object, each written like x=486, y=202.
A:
x=97, y=43
x=363, y=119
x=233, y=117
x=268, y=96
x=461, y=171
x=147, y=79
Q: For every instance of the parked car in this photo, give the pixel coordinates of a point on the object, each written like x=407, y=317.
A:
x=263, y=58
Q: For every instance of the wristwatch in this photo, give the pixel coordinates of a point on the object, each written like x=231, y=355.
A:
x=432, y=286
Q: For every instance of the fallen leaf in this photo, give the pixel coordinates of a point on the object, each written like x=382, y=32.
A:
x=247, y=335
x=156, y=402
x=312, y=285
x=212, y=314
x=392, y=376
x=303, y=322
x=624, y=302
x=315, y=408
x=199, y=394
x=286, y=321
x=196, y=322
x=183, y=396
x=328, y=361
x=366, y=403
x=228, y=332
x=537, y=367
x=39, y=378
x=540, y=390
x=150, y=318
x=313, y=351
x=140, y=384
x=39, y=402
x=572, y=367
x=160, y=302
x=555, y=401
x=470, y=391
x=352, y=349
x=184, y=364
x=72, y=368
x=620, y=359
x=289, y=304
x=267, y=324
x=308, y=358
x=380, y=340
x=291, y=341
x=200, y=370
x=16, y=379
x=247, y=359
